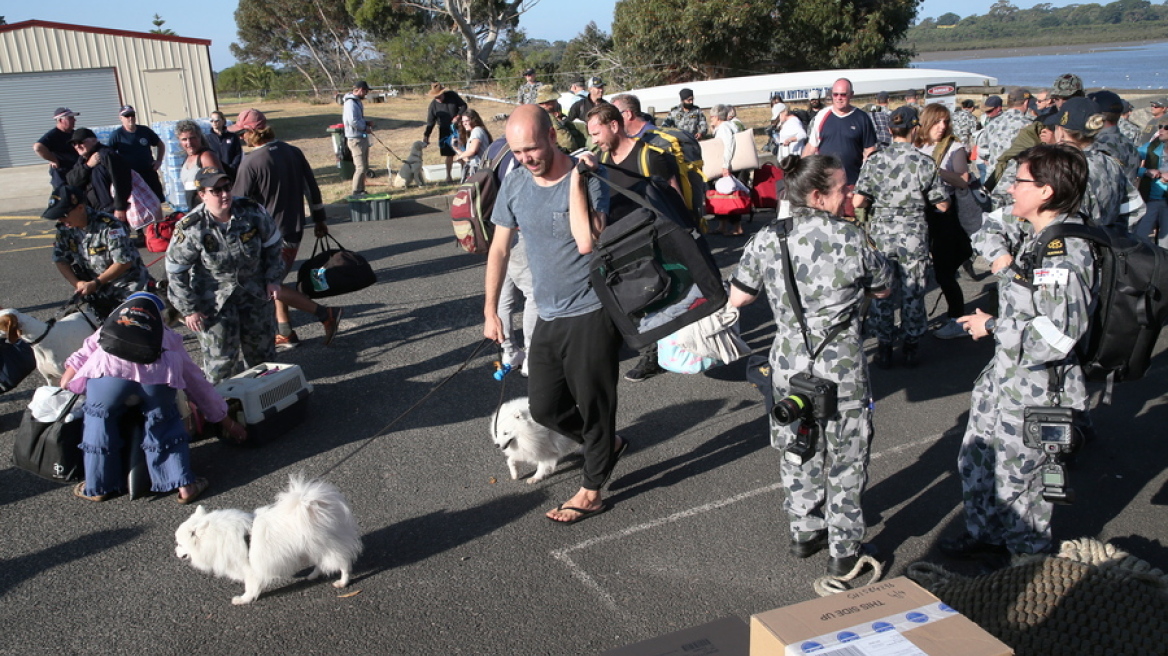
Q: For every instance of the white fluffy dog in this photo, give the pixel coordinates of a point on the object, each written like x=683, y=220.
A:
x=310, y=524
x=411, y=168
x=53, y=342
x=522, y=440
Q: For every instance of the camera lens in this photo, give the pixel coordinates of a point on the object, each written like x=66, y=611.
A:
x=790, y=409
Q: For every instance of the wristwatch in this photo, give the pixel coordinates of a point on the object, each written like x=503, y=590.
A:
x=990, y=324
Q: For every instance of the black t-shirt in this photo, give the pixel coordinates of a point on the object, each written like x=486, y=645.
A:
x=278, y=176
x=641, y=161
x=58, y=144
x=136, y=147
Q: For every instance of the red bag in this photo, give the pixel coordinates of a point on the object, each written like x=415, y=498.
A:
x=158, y=234
x=733, y=204
x=763, y=193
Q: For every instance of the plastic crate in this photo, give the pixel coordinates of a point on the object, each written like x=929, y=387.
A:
x=273, y=396
x=369, y=208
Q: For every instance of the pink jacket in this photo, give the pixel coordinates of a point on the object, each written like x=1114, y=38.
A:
x=174, y=369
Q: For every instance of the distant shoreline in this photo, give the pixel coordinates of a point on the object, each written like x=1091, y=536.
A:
x=989, y=53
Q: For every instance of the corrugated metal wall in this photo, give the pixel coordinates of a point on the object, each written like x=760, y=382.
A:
x=28, y=100
x=43, y=48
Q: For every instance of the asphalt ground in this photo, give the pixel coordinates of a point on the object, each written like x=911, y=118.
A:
x=458, y=557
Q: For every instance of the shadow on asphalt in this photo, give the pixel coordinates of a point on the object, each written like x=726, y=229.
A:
x=14, y=571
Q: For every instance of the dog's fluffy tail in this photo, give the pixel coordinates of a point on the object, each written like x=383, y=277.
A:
x=320, y=505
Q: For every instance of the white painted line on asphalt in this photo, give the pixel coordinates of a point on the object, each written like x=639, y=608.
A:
x=607, y=599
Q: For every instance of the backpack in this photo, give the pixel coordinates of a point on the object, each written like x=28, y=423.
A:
x=133, y=331
x=158, y=234
x=688, y=153
x=472, y=207
x=653, y=273
x=664, y=190
x=1130, y=308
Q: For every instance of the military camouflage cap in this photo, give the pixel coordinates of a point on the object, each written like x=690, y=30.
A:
x=1066, y=85
x=546, y=94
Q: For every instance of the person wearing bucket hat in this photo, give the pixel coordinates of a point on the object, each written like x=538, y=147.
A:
x=569, y=138
x=688, y=117
x=54, y=146
x=94, y=252
x=1109, y=138
x=107, y=380
x=897, y=183
x=529, y=89
x=1112, y=200
x=445, y=104
x=225, y=268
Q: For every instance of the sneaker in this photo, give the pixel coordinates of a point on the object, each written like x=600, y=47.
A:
x=285, y=342
x=332, y=324
x=514, y=358
x=646, y=367
x=951, y=330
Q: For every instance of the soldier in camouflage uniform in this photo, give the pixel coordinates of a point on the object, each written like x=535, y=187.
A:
x=897, y=183
x=1112, y=199
x=964, y=123
x=1002, y=131
x=689, y=117
x=1110, y=139
x=94, y=252
x=529, y=89
x=836, y=266
x=224, y=267
x=569, y=138
x=1036, y=332
x=1127, y=127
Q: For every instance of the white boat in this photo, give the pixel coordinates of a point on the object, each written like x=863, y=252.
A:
x=757, y=89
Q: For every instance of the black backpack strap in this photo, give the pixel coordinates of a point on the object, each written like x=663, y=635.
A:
x=784, y=227
x=624, y=191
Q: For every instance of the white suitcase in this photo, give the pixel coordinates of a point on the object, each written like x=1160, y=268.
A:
x=273, y=397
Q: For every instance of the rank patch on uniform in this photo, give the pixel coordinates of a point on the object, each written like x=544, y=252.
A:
x=210, y=244
x=1056, y=246
x=247, y=236
x=97, y=250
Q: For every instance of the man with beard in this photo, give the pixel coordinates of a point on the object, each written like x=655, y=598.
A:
x=689, y=117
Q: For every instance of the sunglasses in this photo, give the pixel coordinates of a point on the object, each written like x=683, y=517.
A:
x=221, y=190
x=839, y=95
x=1163, y=126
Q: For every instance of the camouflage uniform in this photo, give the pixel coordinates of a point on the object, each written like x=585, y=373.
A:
x=1036, y=329
x=222, y=270
x=528, y=92
x=1112, y=199
x=1112, y=141
x=964, y=125
x=105, y=241
x=568, y=136
x=1129, y=130
x=900, y=181
x=1000, y=134
x=692, y=121
x=835, y=265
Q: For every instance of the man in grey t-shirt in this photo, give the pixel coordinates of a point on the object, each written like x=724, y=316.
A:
x=574, y=351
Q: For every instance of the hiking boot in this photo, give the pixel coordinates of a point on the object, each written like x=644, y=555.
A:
x=967, y=546
x=951, y=330
x=884, y=355
x=811, y=546
x=646, y=367
x=910, y=354
x=838, y=566
x=332, y=324
x=285, y=342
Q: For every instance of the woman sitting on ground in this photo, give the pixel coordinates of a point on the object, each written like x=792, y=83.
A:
x=108, y=381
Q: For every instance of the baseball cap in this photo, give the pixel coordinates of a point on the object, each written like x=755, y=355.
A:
x=578, y=80
x=1158, y=102
x=1017, y=95
x=209, y=176
x=1050, y=118
x=64, y=112
x=596, y=82
x=904, y=117
x=546, y=94
x=1108, y=101
x=249, y=119
x=992, y=101
x=882, y=96
x=1075, y=112
x=1066, y=85
x=685, y=93
x=64, y=199
x=968, y=104
x=127, y=110
x=81, y=134
x=361, y=84
x=528, y=71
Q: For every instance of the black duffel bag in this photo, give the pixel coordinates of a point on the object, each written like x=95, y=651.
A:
x=51, y=450
x=333, y=271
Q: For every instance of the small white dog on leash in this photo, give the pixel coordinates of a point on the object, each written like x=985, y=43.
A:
x=310, y=524
x=52, y=342
x=411, y=168
x=521, y=440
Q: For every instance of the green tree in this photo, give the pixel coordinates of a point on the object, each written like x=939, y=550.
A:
x=384, y=19
x=246, y=78
x=158, y=26
x=317, y=38
x=590, y=50
x=825, y=34
x=1003, y=10
x=415, y=56
x=949, y=18
x=481, y=24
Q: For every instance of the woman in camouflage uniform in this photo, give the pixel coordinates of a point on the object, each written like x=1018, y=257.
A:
x=898, y=183
x=1039, y=323
x=836, y=266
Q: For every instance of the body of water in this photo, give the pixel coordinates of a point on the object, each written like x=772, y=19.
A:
x=1111, y=66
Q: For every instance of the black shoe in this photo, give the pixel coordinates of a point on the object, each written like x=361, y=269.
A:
x=967, y=546
x=810, y=547
x=646, y=367
x=843, y=565
x=884, y=355
x=910, y=354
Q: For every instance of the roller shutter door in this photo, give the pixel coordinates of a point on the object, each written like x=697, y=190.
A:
x=27, y=102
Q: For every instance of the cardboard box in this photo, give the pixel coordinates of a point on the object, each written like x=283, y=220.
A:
x=728, y=636
x=891, y=617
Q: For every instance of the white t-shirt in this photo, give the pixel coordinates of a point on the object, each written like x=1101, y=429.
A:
x=792, y=127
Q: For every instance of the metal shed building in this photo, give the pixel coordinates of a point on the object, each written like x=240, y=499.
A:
x=94, y=71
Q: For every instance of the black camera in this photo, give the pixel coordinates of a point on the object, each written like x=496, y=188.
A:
x=808, y=398
x=1052, y=429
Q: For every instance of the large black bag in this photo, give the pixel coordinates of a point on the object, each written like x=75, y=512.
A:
x=653, y=273
x=17, y=361
x=50, y=450
x=333, y=271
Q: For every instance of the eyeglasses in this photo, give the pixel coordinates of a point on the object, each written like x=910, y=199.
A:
x=840, y=95
x=1033, y=182
x=223, y=190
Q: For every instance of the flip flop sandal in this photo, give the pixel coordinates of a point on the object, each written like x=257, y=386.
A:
x=581, y=514
x=79, y=492
x=201, y=484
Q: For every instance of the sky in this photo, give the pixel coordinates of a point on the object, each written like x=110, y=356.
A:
x=554, y=20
